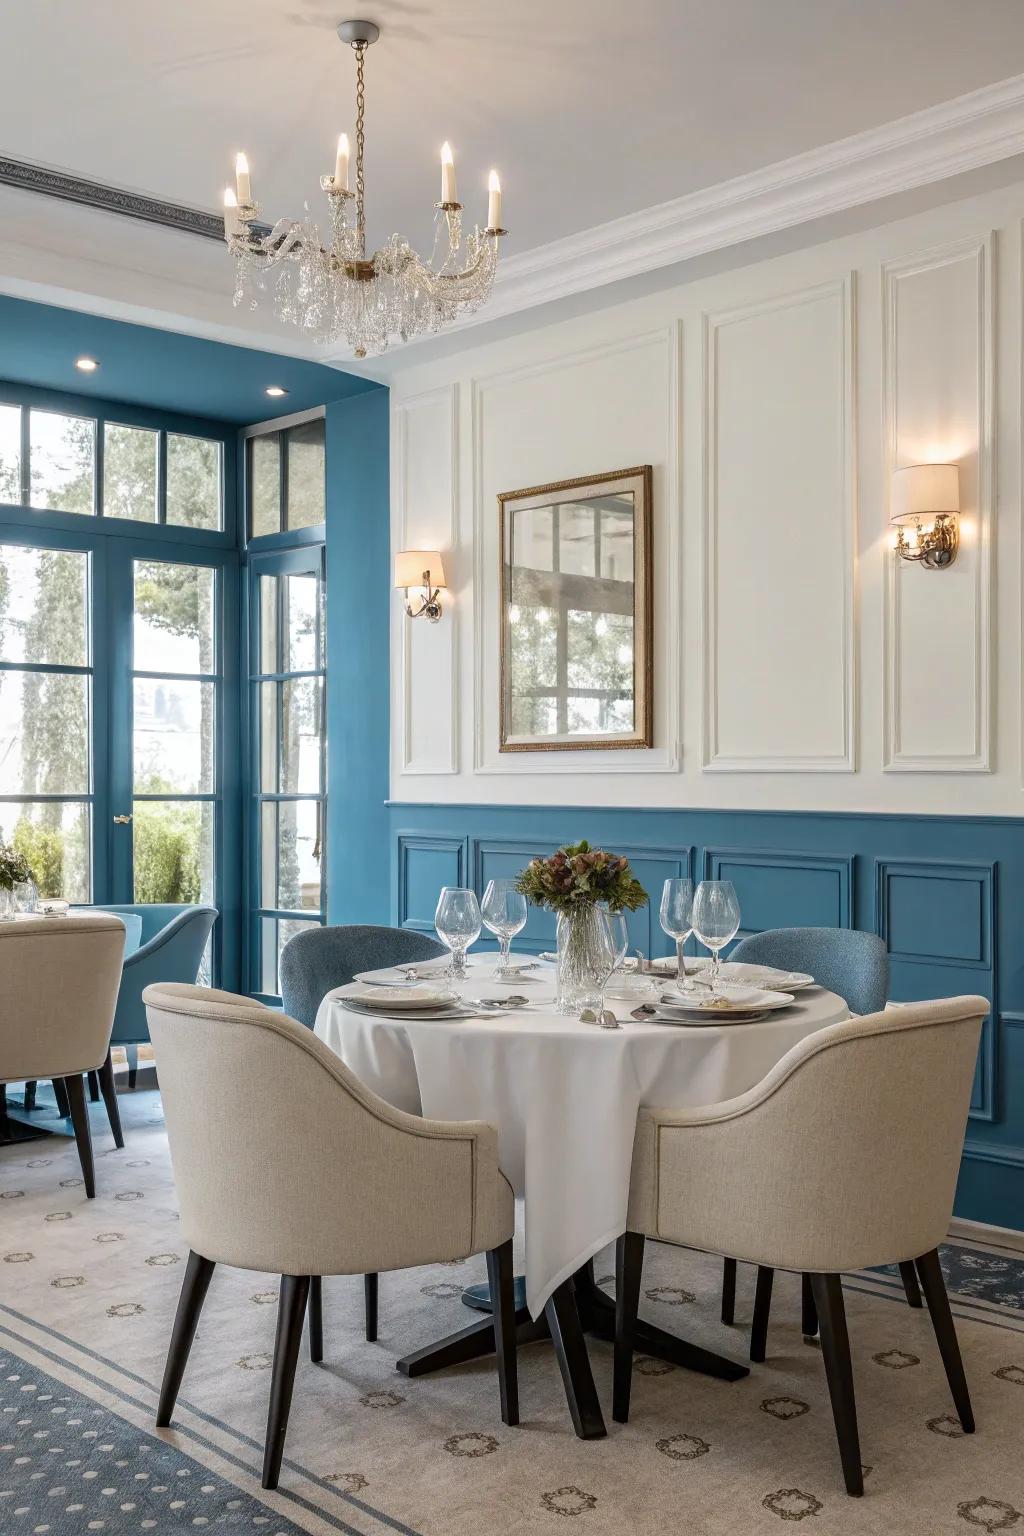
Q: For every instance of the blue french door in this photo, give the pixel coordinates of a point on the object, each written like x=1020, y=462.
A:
x=119, y=720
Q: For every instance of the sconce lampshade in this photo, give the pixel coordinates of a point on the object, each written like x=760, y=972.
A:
x=924, y=490
x=411, y=563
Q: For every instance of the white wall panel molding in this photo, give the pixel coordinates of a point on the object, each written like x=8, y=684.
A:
x=938, y=352
x=778, y=492
x=425, y=477
x=580, y=439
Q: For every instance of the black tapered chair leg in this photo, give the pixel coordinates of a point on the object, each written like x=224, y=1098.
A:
x=908, y=1274
x=108, y=1088
x=198, y=1274
x=762, y=1309
x=629, y=1264
x=75, y=1089
x=132, y=1053
x=835, y=1349
x=934, y=1288
x=290, y=1314
x=808, y=1311
x=316, y=1319
x=94, y=1087
x=30, y=1096
x=563, y=1320
x=370, y=1301
x=60, y=1093
x=729, y=1291
x=501, y=1283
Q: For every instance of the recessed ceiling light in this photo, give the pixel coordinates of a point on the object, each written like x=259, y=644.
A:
x=275, y=391
x=86, y=364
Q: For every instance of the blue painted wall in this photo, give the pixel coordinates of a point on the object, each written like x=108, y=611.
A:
x=946, y=893
x=358, y=608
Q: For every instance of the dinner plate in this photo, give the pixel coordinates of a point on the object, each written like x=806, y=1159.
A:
x=733, y=1000
x=743, y=973
x=696, y=1021
x=397, y=999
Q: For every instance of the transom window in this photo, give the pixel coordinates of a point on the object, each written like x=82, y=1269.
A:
x=285, y=471
x=60, y=462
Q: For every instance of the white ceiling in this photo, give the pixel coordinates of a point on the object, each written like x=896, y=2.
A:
x=590, y=108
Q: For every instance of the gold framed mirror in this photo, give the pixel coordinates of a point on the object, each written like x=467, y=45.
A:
x=576, y=656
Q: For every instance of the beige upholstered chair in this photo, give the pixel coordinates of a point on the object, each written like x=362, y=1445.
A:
x=286, y=1163
x=845, y=1155
x=58, y=990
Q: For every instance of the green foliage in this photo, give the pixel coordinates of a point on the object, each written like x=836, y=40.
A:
x=13, y=867
x=43, y=851
x=578, y=875
x=167, y=841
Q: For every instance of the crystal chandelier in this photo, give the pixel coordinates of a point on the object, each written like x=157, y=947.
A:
x=336, y=290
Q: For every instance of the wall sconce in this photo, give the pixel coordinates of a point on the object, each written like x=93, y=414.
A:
x=420, y=573
x=930, y=491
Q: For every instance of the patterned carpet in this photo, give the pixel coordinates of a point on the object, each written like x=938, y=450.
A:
x=88, y=1290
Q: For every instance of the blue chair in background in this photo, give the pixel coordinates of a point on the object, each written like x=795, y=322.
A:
x=856, y=966
x=171, y=945
x=317, y=959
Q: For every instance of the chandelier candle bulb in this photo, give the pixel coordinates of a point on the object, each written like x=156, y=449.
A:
x=493, y=201
x=243, y=190
x=448, y=193
x=341, y=165
x=230, y=213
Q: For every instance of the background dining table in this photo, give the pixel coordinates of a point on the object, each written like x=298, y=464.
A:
x=563, y=1095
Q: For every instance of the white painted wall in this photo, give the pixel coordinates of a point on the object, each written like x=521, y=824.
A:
x=797, y=666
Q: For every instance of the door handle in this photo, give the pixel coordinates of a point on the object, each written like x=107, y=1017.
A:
x=122, y=821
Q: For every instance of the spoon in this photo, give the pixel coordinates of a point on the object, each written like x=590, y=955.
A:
x=514, y=1000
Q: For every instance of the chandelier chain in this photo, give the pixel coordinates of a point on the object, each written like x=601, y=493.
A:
x=360, y=52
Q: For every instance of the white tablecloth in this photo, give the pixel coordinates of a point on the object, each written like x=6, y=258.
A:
x=564, y=1098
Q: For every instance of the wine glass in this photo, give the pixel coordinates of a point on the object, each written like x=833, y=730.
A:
x=676, y=918
x=597, y=962
x=620, y=934
x=715, y=918
x=504, y=912
x=457, y=921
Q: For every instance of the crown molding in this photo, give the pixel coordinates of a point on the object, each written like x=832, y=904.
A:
x=942, y=141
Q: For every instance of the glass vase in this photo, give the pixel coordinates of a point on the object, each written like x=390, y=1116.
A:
x=585, y=959
x=7, y=906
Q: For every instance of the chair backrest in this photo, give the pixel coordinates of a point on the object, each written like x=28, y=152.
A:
x=845, y=960
x=283, y=1160
x=173, y=940
x=318, y=959
x=845, y=1155
x=58, y=987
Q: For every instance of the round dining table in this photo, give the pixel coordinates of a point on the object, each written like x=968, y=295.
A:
x=563, y=1096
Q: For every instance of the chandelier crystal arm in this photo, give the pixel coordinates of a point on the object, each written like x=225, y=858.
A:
x=331, y=288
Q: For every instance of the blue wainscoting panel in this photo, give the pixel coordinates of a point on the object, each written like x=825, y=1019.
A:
x=938, y=916
x=424, y=865
x=945, y=892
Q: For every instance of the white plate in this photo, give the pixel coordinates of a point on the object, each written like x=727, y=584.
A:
x=732, y=1000
x=390, y=999
x=698, y=1021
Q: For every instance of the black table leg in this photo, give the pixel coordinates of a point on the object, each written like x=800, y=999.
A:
x=563, y=1319
x=597, y=1313
x=470, y=1343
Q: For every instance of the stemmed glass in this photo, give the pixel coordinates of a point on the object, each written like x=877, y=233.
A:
x=457, y=921
x=716, y=919
x=620, y=934
x=504, y=912
x=676, y=918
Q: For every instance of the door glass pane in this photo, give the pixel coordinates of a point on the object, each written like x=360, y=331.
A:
x=295, y=769
x=194, y=496
x=306, y=474
x=62, y=462
x=54, y=837
x=265, y=484
x=43, y=606
x=300, y=623
x=290, y=855
x=129, y=472
x=174, y=617
x=44, y=733
x=10, y=454
x=174, y=736
x=173, y=850
x=268, y=624
x=274, y=935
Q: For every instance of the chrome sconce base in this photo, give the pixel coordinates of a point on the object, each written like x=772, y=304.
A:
x=935, y=549
x=429, y=608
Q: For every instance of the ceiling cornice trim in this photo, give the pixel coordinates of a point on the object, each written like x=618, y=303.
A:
x=94, y=194
x=960, y=135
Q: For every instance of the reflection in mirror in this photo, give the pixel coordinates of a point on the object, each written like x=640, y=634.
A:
x=576, y=614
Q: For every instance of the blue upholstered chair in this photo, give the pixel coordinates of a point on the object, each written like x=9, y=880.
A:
x=171, y=948
x=856, y=966
x=318, y=959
